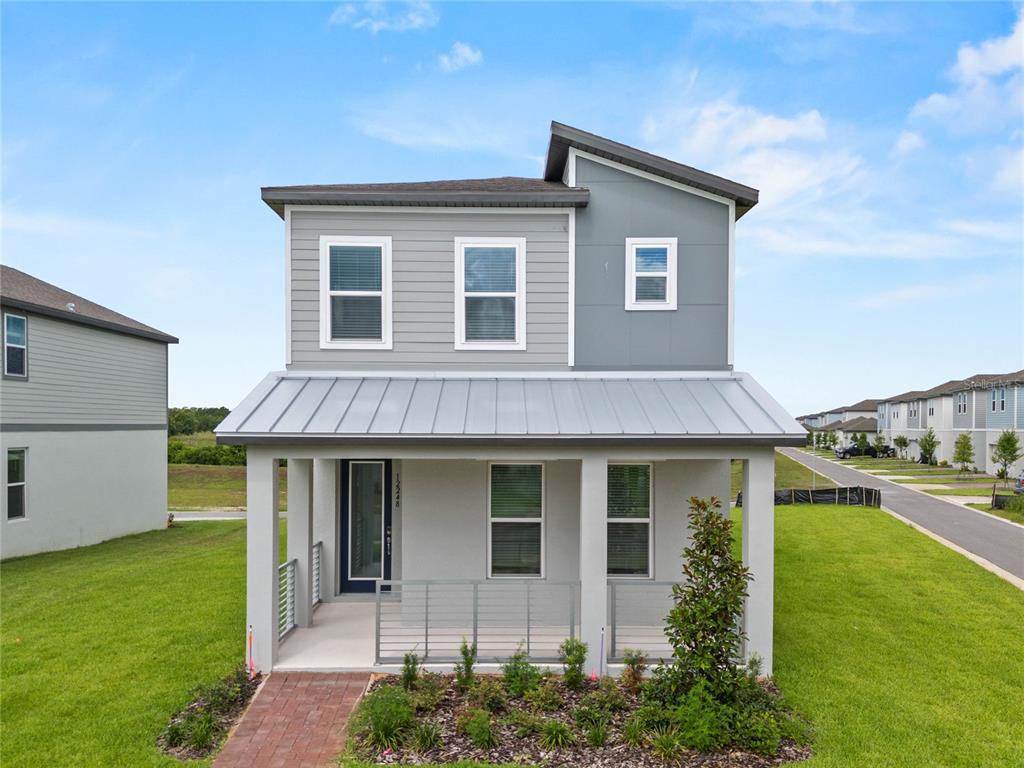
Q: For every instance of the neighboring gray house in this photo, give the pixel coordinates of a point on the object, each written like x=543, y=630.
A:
x=83, y=420
x=498, y=396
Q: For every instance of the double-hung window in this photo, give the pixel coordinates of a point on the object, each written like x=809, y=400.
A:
x=15, y=345
x=516, y=520
x=999, y=396
x=651, y=273
x=490, y=293
x=16, y=483
x=355, y=292
x=629, y=520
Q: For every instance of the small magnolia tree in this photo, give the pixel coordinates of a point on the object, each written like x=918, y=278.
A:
x=703, y=627
x=902, y=443
x=963, y=451
x=928, y=444
x=1006, y=452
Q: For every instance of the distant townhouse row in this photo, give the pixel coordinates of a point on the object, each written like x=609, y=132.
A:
x=847, y=422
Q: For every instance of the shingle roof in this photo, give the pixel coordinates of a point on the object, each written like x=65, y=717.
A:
x=985, y=380
x=858, y=424
x=505, y=191
x=863, y=405
x=730, y=408
x=23, y=291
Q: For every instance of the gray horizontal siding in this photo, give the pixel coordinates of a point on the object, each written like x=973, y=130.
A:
x=423, y=285
x=83, y=375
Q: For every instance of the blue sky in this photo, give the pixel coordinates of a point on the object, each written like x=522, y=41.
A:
x=885, y=255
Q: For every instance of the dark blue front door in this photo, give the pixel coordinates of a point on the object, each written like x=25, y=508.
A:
x=365, y=524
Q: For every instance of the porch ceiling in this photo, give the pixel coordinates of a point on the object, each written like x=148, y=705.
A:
x=719, y=407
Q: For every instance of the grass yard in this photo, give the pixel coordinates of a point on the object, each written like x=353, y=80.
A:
x=1007, y=514
x=196, y=440
x=211, y=486
x=788, y=474
x=959, y=491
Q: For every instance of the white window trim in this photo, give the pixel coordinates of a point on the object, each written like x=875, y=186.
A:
x=543, y=515
x=670, y=274
x=326, y=342
x=649, y=520
x=24, y=319
x=9, y=484
x=383, y=529
x=461, y=243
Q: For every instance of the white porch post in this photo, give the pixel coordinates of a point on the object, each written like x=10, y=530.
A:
x=594, y=559
x=325, y=522
x=759, y=553
x=261, y=556
x=300, y=536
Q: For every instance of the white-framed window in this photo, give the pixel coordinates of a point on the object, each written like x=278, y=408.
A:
x=961, y=402
x=651, y=273
x=999, y=397
x=16, y=483
x=931, y=410
x=490, y=293
x=355, y=292
x=630, y=520
x=515, y=520
x=15, y=345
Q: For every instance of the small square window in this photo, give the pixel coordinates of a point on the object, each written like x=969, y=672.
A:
x=651, y=273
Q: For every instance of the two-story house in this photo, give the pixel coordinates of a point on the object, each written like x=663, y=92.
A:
x=83, y=420
x=498, y=396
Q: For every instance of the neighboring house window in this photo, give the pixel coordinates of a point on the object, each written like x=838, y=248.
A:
x=516, y=519
x=490, y=293
x=15, y=345
x=16, y=483
x=629, y=520
x=999, y=396
x=931, y=410
x=355, y=292
x=650, y=273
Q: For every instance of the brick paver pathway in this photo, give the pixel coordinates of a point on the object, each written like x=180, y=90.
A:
x=297, y=720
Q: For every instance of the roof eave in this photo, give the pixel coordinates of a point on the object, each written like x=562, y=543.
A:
x=694, y=441
x=71, y=317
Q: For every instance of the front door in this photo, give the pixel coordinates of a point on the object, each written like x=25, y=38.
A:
x=365, y=524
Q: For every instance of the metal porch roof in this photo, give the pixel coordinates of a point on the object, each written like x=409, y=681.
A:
x=719, y=407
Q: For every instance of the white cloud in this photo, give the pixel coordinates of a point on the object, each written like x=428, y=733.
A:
x=380, y=16
x=1012, y=230
x=65, y=226
x=992, y=57
x=907, y=142
x=460, y=56
x=963, y=287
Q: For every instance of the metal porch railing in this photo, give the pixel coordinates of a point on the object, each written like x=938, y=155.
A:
x=636, y=617
x=286, y=598
x=317, y=560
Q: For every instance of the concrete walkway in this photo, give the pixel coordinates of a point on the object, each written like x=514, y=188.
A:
x=998, y=541
x=297, y=720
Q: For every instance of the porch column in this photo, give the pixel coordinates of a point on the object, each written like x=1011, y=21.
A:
x=300, y=535
x=594, y=560
x=759, y=554
x=261, y=601
x=325, y=523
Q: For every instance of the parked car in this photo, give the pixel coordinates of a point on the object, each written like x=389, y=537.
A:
x=1018, y=484
x=855, y=450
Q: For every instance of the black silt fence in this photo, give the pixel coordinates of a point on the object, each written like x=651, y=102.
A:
x=853, y=495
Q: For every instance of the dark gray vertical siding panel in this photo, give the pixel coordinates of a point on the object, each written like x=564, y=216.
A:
x=423, y=280
x=624, y=205
x=84, y=375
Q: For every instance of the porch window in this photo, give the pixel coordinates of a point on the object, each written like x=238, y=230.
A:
x=16, y=483
x=629, y=520
x=651, y=273
x=516, y=514
x=355, y=296
x=15, y=346
x=490, y=293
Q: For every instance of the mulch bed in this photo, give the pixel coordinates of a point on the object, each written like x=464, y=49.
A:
x=224, y=720
x=527, y=750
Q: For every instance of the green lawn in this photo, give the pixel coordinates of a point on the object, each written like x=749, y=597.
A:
x=959, y=491
x=1008, y=514
x=100, y=645
x=209, y=486
x=196, y=440
x=788, y=474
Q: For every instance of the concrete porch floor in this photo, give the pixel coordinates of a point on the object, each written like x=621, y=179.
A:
x=340, y=640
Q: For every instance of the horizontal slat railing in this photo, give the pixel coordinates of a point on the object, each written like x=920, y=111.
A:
x=432, y=618
x=636, y=617
x=317, y=560
x=286, y=598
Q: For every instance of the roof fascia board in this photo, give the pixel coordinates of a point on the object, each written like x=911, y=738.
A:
x=413, y=373
x=563, y=210
x=106, y=325
x=503, y=440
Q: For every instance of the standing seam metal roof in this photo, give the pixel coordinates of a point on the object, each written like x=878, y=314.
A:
x=459, y=406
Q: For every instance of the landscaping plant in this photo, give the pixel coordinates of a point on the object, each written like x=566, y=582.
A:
x=430, y=690
x=410, y=671
x=555, y=734
x=928, y=444
x=476, y=724
x=518, y=675
x=963, y=452
x=425, y=737
x=464, y=677
x=384, y=717
x=545, y=697
x=597, y=734
x=573, y=655
x=901, y=444
x=488, y=694
x=1006, y=452
x=634, y=665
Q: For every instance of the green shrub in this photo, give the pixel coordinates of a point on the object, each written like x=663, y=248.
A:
x=635, y=664
x=634, y=733
x=666, y=746
x=384, y=716
x=1016, y=504
x=430, y=690
x=701, y=722
x=587, y=715
x=545, y=697
x=526, y=724
x=489, y=695
x=519, y=675
x=425, y=737
x=410, y=670
x=758, y=732
x=554, y=734
x=607, y=696
x=652, y=717
x=476, y=724
x=178, y=452
x=597, y=734
x=464, y=675
x=573, y=655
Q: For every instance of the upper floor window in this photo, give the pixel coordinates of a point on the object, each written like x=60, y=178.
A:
x=15, y=345
x=490, y=293
x=650, y=273
x=961, y=403
x=931, y=410
x=16, y=483
x=999, y=398
x=355, y=292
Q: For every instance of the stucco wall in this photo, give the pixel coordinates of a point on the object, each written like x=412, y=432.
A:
x=85, y=487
